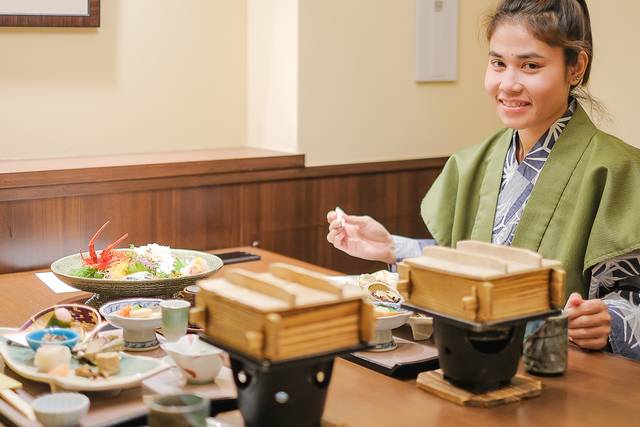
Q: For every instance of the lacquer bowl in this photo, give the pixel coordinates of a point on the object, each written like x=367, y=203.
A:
x=106, y=290
x=139, y=333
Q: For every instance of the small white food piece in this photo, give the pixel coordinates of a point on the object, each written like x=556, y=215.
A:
x=52, y=355
x=141, y=313
x=108, y=362
x=340, y=215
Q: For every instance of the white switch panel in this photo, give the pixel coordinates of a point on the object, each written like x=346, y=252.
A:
x=436, y=40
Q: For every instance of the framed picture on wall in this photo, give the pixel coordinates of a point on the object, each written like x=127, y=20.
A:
x=49, y=13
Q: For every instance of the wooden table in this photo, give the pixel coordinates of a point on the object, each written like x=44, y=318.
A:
x=597, y=390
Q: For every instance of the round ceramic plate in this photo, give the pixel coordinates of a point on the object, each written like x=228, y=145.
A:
x=110, y=289
x=133, y=369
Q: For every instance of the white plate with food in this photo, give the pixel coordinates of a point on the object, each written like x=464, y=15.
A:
x=59, y=368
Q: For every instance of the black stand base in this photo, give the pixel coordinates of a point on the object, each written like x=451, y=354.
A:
x=287, y=393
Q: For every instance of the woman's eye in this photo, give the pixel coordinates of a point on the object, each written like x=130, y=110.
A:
x=497, y=63
x=530, y=66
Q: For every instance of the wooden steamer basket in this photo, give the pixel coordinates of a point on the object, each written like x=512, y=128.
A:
x=481, y=296
x=282, y=330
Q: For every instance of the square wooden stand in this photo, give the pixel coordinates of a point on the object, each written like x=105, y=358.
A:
x=521, y=387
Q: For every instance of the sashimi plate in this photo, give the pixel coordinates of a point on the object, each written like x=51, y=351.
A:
x=106, y=290
x=133, y=369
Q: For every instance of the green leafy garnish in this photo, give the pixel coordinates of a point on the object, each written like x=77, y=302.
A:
x=178, y=265
x=85, y=271
x=136, y=267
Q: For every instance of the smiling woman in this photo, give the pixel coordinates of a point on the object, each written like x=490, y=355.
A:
x=550, y=182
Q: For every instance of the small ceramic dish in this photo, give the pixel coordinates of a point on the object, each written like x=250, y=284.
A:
x=421, y=327
x=384, y=325
x=199, y=362
x=139, y=333
x=67, y=337
x=86, y=321
x=61, y=409
x=133, y=369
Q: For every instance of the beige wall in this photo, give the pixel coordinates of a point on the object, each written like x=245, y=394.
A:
x=272, y=77
x=614, y=78
x=163, y=75
x=358, y=98
x=157, y=75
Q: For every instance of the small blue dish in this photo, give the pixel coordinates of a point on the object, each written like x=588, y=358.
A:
x=36, y=338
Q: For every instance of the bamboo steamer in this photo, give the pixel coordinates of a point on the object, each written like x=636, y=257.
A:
x=481, y=282
x=286, y=313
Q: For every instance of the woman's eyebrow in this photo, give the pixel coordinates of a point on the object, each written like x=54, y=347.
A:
x=528, y=55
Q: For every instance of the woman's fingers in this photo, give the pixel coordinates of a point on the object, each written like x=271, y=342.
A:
x=358, y=220
x=574, y=300
x=592, y=344
x=336, y=224
x=590, y=321
x=337, y=238
x=587, y=307
x=590, y=333
x=331, y=216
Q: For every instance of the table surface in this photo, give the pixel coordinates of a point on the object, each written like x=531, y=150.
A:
x=597, y=390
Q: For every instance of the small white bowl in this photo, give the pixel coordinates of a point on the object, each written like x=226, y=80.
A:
x=199, y=362
x=61, y=409
x=139, y=333
x=421, y=327
x=384, y=325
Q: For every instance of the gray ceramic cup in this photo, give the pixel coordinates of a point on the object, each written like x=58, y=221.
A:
x=546, y=349
x=178, y=410
x=175, y=318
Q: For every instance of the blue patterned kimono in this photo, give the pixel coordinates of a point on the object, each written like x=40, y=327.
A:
x=616, y=281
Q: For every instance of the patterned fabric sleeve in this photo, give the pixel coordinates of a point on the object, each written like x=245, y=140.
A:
x=616, y=275
x=617, y=282
x=409, y=248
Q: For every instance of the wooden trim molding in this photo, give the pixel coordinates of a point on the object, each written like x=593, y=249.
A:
x=23, y=180
x=203, y=202
x=92, y=20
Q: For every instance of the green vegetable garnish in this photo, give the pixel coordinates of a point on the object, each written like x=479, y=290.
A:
x=178, y=265
x=85, y=271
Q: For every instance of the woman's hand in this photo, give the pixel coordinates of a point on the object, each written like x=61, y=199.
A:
x=361, y=236
x=589, y=322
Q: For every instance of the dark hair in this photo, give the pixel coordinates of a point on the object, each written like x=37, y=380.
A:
x=562, y=23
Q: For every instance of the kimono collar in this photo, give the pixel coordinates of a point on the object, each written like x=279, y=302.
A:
x=549, y=187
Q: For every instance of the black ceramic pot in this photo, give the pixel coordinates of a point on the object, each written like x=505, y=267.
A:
x=478, y=361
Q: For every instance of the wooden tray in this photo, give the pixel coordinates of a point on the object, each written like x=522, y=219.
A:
x=521, y=387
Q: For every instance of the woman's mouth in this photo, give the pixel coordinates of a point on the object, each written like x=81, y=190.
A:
x=513, y=105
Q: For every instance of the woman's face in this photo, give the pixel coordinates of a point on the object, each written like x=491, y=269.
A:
x=526, y=78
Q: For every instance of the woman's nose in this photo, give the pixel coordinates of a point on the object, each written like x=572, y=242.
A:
x=510, y=82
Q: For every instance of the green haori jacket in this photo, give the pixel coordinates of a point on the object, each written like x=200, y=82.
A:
x=584, y=208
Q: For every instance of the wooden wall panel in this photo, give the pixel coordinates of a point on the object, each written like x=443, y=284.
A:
x=283, y=211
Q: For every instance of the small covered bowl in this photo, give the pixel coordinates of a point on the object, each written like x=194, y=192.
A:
x=199, y=362
x=61, y=336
